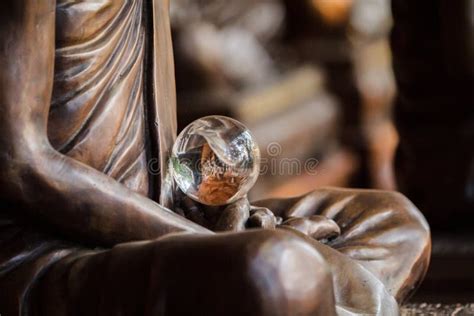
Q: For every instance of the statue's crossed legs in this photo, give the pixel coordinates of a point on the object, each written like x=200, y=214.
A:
x=379, y=258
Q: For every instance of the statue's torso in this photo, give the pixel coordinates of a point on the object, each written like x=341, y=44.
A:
x=98, y=113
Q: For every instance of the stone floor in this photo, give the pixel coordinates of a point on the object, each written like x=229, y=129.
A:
x=437, y=309
x=448, y=288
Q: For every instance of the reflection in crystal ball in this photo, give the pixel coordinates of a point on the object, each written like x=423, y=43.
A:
x=215, y=160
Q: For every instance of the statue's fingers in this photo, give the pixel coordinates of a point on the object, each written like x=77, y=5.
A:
x=322, y=227
x=234, y=217
x=261, y=217
x=316, y=226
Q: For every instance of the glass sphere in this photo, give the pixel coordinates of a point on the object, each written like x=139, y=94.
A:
x=215, y=160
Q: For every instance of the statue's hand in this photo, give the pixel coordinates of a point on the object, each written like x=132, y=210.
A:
x=317, y=226
x=240, y=215
x=236, y=216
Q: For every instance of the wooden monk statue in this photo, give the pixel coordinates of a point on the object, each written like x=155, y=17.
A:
x=87, y=103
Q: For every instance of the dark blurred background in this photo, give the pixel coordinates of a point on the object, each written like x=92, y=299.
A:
x=316, y=80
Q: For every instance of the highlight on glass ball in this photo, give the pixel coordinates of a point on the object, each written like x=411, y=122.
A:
x=215, y=160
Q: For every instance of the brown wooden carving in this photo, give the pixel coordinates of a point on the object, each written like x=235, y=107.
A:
x=87, y=103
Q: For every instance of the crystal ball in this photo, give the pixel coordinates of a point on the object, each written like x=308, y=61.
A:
x=215, y=160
